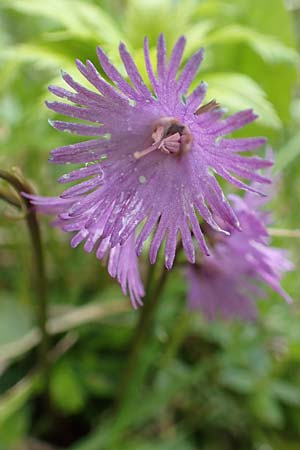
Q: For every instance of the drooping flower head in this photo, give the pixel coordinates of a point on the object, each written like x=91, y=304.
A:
x=149, y=169
x=227, y=282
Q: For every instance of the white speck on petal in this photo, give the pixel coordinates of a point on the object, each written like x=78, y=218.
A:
x=142, y=179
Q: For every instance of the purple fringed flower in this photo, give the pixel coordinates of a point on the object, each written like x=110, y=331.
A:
x=225, y=283
x=157, y=148
x=149, y=169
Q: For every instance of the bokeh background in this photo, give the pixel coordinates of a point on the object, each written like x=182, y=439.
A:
x=198, y=385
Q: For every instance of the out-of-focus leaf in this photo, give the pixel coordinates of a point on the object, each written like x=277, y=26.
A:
x=65, y=380
x=144, y=18
x=177, y=442
x=288, y=153
x=15, y=320
x=14, y=429
x=104, y=439
x=267, y=409
x=237, y=91
x=282, y=443
x=286, y=392
x=42, y=56
x=82, y=19
x=14, y=399
x=278, y=82
x=268, y=47
x=196, y=35
x=217, y=8
x=239, y=380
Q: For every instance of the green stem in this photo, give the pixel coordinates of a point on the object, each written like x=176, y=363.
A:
x=140, y=334
x=40, y=283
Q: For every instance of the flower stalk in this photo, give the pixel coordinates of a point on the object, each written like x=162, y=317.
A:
x=140, y=334
x=17, y=181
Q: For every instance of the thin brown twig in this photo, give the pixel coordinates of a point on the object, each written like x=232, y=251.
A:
x=32, y=381
x=282, y=232
x=62, y=323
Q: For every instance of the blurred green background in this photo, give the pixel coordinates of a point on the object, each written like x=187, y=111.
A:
x=198, y=385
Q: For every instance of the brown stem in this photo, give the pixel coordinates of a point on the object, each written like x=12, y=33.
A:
x=10, y=198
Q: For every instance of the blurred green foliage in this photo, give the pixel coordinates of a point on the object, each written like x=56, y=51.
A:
x=212, y=386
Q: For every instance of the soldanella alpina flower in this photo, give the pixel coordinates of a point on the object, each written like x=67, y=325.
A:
x=149, y=171
x=227, y=283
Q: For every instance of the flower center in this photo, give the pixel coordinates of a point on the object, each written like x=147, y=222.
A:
x=170, y=137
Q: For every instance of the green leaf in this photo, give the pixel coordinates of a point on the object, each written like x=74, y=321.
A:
x=15, y=429
x=277, y=82
x=268, y=47
x=15, y=399
x=82, y=19
x=288, y=153
x=237, y=91
x=15, y=320
x=239, y=380
x=196, y=35
x=267, y=409
x=145, y=18
x=218, y=9
x=43, y=57
x=286, y=392
x=66, y=390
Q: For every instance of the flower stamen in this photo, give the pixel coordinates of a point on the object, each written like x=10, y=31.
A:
x=170, y=137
